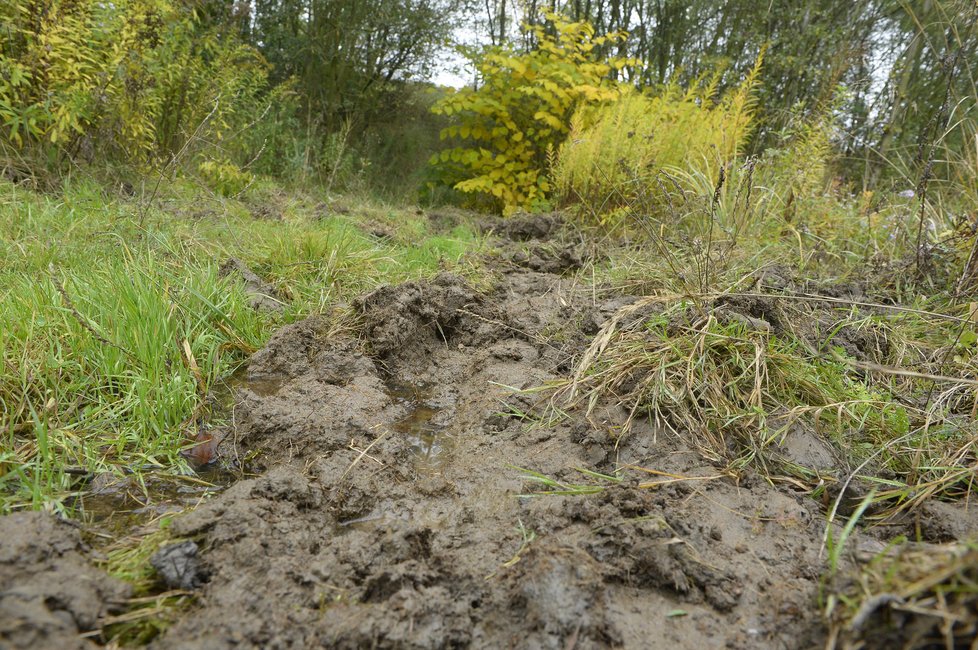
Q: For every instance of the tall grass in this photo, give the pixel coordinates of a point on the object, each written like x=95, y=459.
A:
x=614, y=150
x=115, y=322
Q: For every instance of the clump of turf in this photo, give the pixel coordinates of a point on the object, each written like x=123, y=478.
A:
x=911, y=596
x=736, y=373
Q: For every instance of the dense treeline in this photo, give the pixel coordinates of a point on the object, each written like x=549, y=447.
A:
x=323, y=88
x=891, y=71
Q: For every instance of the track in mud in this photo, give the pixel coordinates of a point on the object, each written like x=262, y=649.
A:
x=387, y=507
x=388, y=512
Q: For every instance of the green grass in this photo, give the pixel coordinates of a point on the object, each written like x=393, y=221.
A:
x=900, y=417
x=115, y=323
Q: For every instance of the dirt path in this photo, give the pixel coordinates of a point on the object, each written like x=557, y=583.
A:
x=388, y=514
x=386, y=511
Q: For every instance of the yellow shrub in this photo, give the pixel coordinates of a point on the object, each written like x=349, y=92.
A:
x=224, y=177
x=133, y=77
x=615, y=149
x=521, y=112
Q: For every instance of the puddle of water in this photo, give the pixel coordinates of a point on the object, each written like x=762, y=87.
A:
x=223, y=393
x=114, y=506
x=418, y=425
x=261, y=387
x=117, y=506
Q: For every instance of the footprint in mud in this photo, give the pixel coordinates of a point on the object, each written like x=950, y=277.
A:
x=420, y=425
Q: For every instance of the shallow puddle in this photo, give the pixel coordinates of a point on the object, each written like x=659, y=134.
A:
x=260, y=387
x=418, y=426
x=115, y=506
x=224, y=392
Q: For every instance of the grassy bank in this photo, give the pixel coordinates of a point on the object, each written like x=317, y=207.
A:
x=115, y=321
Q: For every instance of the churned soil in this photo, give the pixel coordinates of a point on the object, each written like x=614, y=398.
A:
x=50, y=593
x=391, y=500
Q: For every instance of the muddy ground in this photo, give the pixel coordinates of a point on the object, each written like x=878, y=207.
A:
x=387, y=503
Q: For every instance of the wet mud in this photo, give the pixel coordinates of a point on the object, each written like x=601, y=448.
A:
x=395, y=500
x=393, y=507
x=51, y=596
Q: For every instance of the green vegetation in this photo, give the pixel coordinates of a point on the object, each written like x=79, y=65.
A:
x=130, y=79
x=116, y=323
x=888, y=68
x=790, y=192
x=521, y=113
x=739, y=372
x=614, y=151
x=149, y=612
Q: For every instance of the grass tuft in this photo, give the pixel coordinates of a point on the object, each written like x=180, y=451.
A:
x=116, y=325
x=738, y=374
x=910, y=596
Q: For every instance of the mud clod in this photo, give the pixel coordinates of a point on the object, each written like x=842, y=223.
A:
x=178, y=566
x=415, y=313
x=563, y=597
x=526, y=227
x=549, y=258
x=49, y=591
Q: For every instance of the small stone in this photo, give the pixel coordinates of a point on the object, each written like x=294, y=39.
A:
x=178, y=566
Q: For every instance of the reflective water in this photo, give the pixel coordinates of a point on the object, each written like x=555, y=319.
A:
x=418, y=426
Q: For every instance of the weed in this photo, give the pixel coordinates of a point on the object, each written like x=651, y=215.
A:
x=613, y=150
x=528, y=537
x=560, y=488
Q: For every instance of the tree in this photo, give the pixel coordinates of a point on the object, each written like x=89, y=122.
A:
x=350, y=56
x=521, y=111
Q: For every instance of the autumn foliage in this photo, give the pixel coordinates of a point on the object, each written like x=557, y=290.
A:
x=508, y=128
x=133, y=77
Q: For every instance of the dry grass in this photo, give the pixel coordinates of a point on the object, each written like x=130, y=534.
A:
x=913, y=596
x=891, y=390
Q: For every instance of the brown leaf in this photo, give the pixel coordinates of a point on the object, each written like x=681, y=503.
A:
x=204, y=451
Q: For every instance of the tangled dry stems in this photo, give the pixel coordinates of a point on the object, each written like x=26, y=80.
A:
x=735, y=375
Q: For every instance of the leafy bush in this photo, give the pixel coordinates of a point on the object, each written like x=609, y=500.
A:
x=134, y=78
x=224, y=177
x=616, y=148
x=521, y=112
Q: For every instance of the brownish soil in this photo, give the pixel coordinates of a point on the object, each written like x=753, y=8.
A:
x=390, y=507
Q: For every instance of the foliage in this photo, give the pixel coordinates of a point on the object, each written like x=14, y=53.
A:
x=136, y=78
x=521, y=112
x=353, y=98
x=614, y=150
x=116, y=326
x=224, y=177
x=897, y=60
x=281, y=142
x=350, y=59
x=398, y=152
